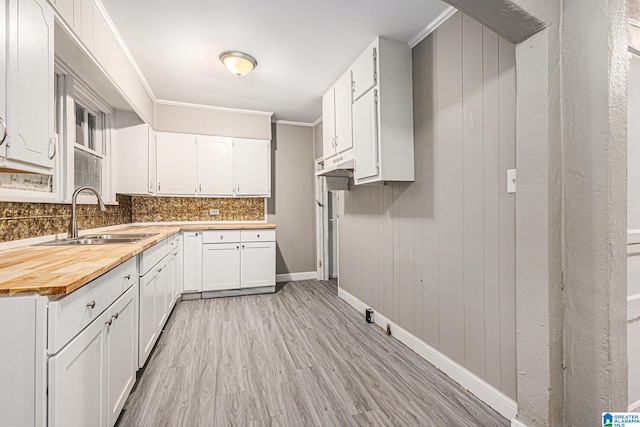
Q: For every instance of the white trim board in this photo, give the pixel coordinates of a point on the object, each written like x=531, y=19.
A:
x=211, y=107
x=431, y=27
x=116, y=34
x=292, y=277
x=517, y=423
x=635, y=406
x=290, y=123
x=484, y=391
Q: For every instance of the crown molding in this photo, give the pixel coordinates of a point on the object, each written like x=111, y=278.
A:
x=432, y=26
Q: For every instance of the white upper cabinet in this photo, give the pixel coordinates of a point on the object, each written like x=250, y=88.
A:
x=176, y=164
x=28, y=110
x=365, y=111
x=383, y=114
x=365, y=71
x=253, y=167
x=135, y=158
x=212, y=166
x=215, y=166
x=336, y=118
x=3, y=80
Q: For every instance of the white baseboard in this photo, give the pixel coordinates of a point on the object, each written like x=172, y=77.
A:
x=517, y=423
x=635, y=406
x=292, y=277
x=484, y=391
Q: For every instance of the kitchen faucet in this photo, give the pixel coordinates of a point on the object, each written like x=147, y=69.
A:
x=73, y=226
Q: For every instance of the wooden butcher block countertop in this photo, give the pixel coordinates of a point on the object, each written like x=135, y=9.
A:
x=56, y=270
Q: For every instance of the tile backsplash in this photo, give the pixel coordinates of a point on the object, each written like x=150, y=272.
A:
x=158, y=209
x=25, y=220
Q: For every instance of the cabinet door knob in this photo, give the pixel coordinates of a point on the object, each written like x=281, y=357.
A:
x=258, y=236
x=91, y=304
x=237, y=247
x=128, y=277
x=4, y=130
x=221, y=237
x=158, y=186
x=109, y=322
x=200, y=188
x=115, y=316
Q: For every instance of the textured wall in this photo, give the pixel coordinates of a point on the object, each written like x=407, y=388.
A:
x=291, y=206
x=26, y=220
x=161, y=209
x=437, y=256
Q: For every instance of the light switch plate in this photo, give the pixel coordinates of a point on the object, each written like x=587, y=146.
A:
x=214, y=211
x=511, y=181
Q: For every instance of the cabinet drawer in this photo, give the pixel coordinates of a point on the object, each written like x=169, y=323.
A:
x=262, y=235
x=72, y=313
x=153, y=255
x=220, y=236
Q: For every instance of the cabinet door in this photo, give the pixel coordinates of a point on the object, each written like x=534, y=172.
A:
x=344, y=140
x=76, y=379
x=130, y=151
x=215, y=166
x=172, y=270
x=364, y=71
x=253, y=167
x=192, y=262
x=147, y=322
x=328, y=124
x=30, y=83
x=121, y=350
x=176, y=164
x=3, y=78
x=153, y=145
x=365, y=135
x=258, y=264
x=220, y=266
x=162, y=294
x=180, y=267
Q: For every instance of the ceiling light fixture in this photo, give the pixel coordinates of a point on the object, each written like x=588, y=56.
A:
x=238, y=63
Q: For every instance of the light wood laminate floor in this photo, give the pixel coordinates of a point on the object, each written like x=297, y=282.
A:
x=299, y=357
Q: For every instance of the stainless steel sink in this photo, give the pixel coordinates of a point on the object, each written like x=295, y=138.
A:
x=100, y=239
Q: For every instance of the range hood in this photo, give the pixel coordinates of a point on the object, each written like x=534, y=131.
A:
x=338, y=166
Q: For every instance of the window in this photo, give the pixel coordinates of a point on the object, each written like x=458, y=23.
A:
x=88, y=150
x=86, y=138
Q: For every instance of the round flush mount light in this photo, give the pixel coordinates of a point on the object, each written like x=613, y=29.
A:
x=239, y=63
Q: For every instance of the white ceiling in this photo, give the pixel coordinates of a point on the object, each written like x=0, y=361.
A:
x=302, y=47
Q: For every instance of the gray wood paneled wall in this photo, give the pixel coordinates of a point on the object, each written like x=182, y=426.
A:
x=437, y=255
x=207, y=121
x=292, y=203
x=317, y=140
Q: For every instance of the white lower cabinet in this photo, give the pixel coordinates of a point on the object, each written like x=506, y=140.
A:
x=192, y=261
x=147, y=323
x=258, y=263
x=92, y=376
x=237, y=259
x=158, y=294
x=121, y=349
x=221, y=266
x=76, y=372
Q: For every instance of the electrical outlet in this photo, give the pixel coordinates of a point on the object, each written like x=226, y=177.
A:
x=214, y=211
